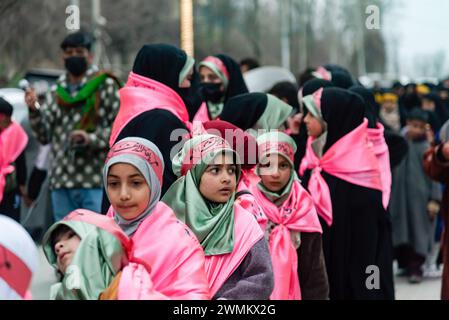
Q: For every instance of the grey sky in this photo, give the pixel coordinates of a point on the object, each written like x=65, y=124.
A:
x=422, y=29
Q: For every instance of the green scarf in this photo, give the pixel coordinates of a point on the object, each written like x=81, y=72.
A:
x=213, y=224
x=275, y=115
x=94, y=265
x=89, y=96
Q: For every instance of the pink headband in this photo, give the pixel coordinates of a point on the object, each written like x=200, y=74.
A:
x=138, y=149
x=219, y=64
x=195, y=154
x=277, y=147
x=14, y=271
x=324, y=73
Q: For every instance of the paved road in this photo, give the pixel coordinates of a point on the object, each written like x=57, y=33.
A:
x=429, y=289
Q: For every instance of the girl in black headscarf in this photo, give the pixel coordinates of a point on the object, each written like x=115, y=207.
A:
x=151, y=103
x=221, y=79
x=341, y=172
x=256, y=111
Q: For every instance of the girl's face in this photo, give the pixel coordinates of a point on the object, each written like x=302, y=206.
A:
x=314, y=127
x=65, y=247
x=128, y=190
x=219, y=181
x=389, y=106
x=276, y=173
x=208, y=76
x=428, y=105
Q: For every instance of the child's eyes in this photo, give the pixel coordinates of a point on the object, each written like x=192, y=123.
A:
x=112, y=184
x=231, y=170
x=214, y=170
x=137, y=183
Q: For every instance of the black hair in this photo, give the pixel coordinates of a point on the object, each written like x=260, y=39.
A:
x=252, y=63
x=78, y=39
x=5, y=107
x=58, y=233
x=286, y=90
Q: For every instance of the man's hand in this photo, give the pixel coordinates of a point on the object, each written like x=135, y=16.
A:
x=433, y=208
x=445, y=151
x=79, y=138
x=31, y=99
x=294, y=123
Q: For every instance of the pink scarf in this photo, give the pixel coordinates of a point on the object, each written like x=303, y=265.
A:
x=376, y=136
x=246, y=234
x=202, y=114
x=351, y=159
x=170, y=252
x=247, y=200
x=142, y=94
x=13, y=141
x=297, y=213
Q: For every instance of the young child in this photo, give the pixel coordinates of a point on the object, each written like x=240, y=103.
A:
x=342, y=174
x=245, y=145
x=390, y=113
x=415, y=200
x=88, y=250
x=166, y=247
x=13, y=140
x=238, y=263
x=293, y=231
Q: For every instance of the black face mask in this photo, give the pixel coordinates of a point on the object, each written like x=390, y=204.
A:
x=76, y=65
x=211, y=92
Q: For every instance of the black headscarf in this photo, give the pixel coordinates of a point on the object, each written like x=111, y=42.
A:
x=162, y=63
x=441, y=115
x=372, y=109
x=288, y=91
x=315, y=84
x=236, y=83
x=5, y=107
x=244, y=110
x=343, y=111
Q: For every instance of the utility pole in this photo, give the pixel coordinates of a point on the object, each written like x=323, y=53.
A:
x=186, y=26
x=285, y=9
x=98, y=22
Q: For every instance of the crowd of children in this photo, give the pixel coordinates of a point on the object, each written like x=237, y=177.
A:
x=212, y=192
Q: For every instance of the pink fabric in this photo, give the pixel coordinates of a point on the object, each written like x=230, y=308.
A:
x=142, y=94
x=325, y=75
x=138, y=149
x=202, y=114
x=219, y=64
x=136, y=284
x=376, y=136
x=246, y=234
x=297, y=214
x=283, y=147
x=171, y=254
x=13, y=141
x=351, y=159
x=18, y=276
x=247, y=200
x=103, y=222
x=194, y=155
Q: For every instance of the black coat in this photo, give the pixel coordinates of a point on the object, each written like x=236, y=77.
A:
x=360, y=235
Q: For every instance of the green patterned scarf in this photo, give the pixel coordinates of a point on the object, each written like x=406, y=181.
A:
x=213, y=224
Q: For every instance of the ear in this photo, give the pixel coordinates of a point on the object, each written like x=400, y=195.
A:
x=90, y=58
